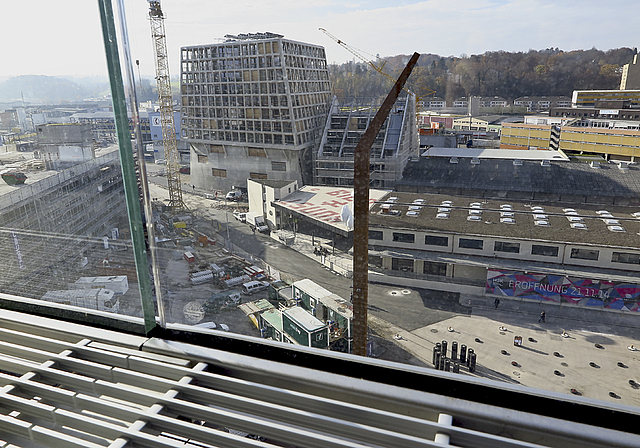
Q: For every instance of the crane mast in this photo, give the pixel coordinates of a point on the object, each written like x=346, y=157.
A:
x=165, y=101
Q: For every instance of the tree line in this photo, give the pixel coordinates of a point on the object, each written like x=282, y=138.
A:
x=549, y=72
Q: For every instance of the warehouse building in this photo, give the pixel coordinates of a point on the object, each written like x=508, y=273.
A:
x=253, y=107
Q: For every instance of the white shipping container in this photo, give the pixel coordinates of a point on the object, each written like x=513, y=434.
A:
x=117, y=283
x=95, y=299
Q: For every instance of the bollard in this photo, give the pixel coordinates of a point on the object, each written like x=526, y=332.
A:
x=454, y=350
x=469, y=354
x=444, y=348
x=472, y=362
x=442, y=362
x=436, y=357
x=447, y=365
x=463, y=354
x=456, y=367
x=437, y=347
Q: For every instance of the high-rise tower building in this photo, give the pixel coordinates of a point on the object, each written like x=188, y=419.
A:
x=253, y=107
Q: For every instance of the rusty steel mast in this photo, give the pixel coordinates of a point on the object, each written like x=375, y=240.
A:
x=165, y=101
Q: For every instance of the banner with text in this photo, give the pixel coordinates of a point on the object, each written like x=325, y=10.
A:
x=564, y=289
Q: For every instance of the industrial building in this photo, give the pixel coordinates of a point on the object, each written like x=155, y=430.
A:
x=253, y=107
x=396, y=142
x=547, y=247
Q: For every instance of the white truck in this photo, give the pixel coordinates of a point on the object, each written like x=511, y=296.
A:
x=95, y=299
x=256, y=222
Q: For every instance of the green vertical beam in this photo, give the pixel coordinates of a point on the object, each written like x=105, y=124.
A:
x=127, y=163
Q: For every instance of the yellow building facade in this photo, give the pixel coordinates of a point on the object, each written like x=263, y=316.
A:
x=624, y=144
x=525, y=136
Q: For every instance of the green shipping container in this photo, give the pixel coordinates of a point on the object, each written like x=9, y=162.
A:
x=304, y=328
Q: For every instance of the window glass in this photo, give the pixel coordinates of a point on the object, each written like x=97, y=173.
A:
x=402, y=264
x=375, y=235
x=433, y=240
x=404, y=237
x=548, y=251
x=584, y=254
x=503, y=246
x=466, y=243
x=622, y=257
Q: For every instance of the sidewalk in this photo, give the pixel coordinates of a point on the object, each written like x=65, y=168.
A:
x=336, y=261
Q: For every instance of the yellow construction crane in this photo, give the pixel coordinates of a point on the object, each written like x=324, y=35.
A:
x=377, y=67
x=165, y=101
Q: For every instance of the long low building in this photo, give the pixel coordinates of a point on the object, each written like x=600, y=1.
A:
x=461, y=240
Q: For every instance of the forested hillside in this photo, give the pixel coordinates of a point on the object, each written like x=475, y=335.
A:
x=509, y=75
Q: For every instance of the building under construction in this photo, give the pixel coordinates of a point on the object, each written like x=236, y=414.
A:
x=396, y=142
x=253, y=107
x=48, y=223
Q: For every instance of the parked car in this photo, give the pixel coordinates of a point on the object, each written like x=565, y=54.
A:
x=254, y=286
x=212, y=326
x=240, y=216
x=185, y=170
x=234, y=195
x=160, y=162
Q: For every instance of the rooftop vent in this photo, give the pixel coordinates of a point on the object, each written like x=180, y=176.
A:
x=507, y=220
x=541, y=223
x=517, y=162
x=442, y=216
x=475, y=161
x=453, y=160
x=474, y=218
x=578, y=225
x=545, y=163
x=616, y=228
x=595, y=164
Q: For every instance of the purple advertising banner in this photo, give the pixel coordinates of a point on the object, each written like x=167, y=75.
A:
x=563, y=289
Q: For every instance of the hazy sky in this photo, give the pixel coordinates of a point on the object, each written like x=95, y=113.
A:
x=64, y=37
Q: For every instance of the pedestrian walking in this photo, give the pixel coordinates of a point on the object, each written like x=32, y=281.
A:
x=496, y=302
x=543, y=317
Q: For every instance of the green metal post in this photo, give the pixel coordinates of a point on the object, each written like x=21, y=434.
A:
x=127, y=163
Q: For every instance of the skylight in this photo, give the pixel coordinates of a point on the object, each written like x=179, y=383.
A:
x=542, y=223
x=616, y=228
x=578, y=225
